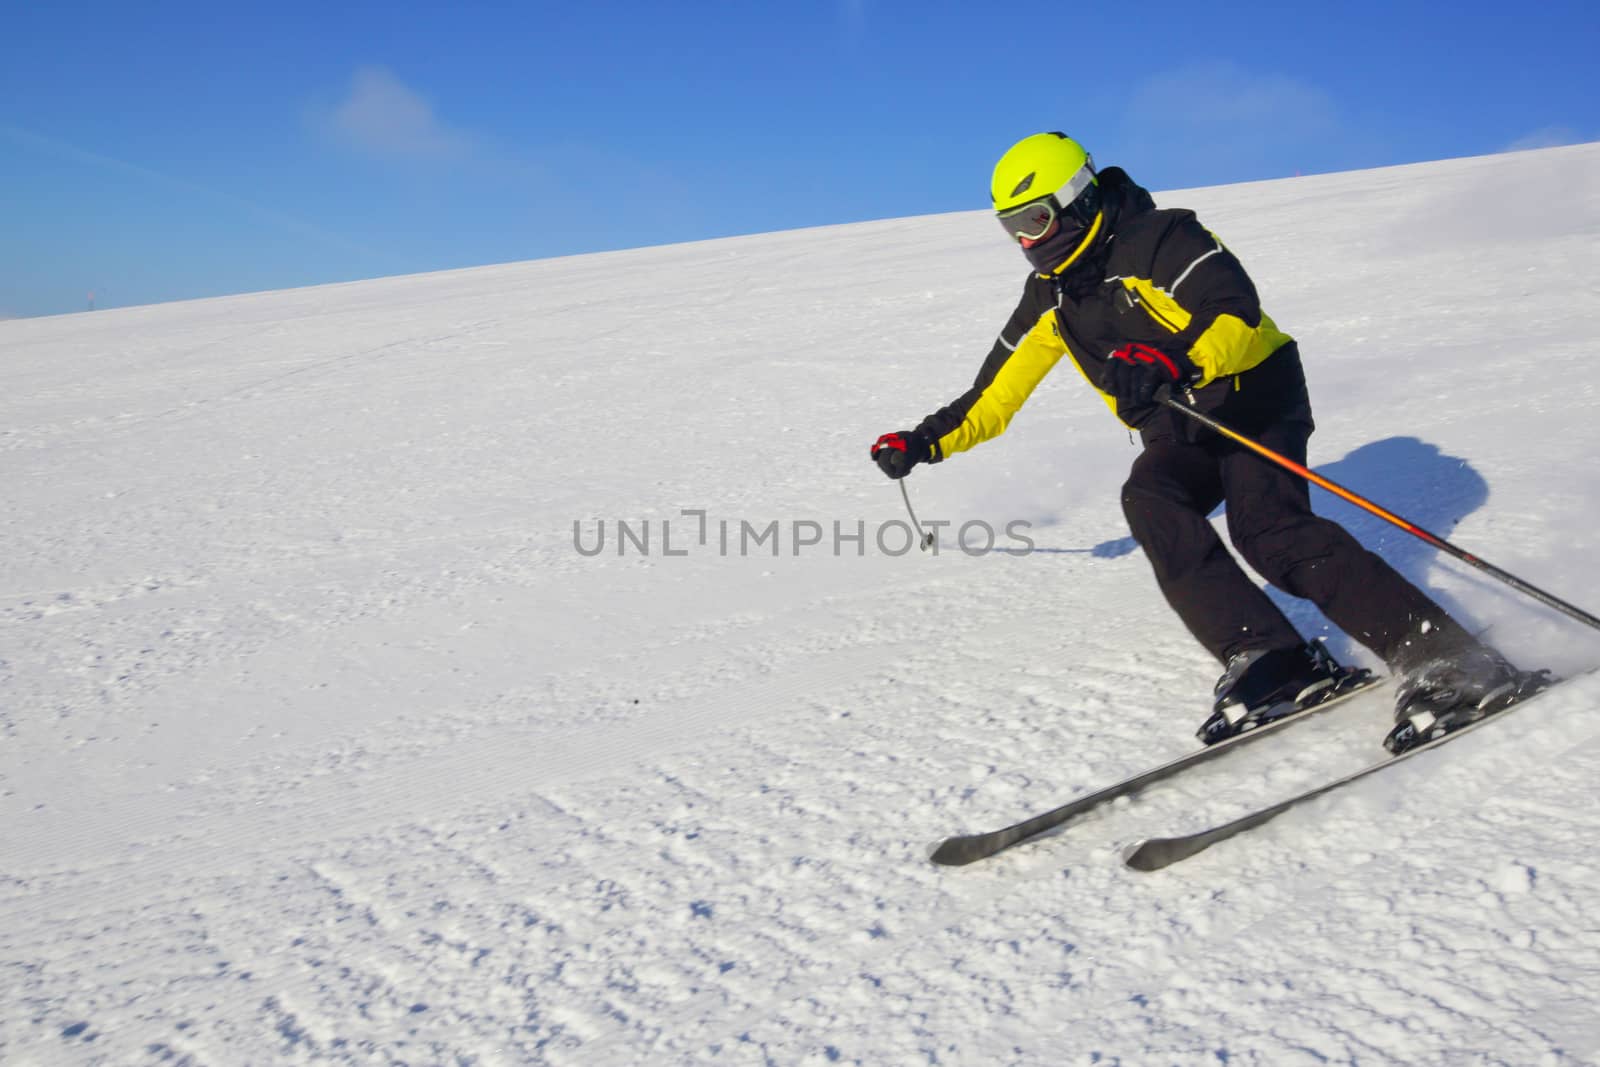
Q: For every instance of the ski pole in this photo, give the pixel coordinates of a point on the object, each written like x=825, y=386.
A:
x=924, y=540
x=1549, y=600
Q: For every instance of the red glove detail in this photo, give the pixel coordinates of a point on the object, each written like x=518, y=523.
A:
x=896, y=453
x=888, y=440
x=1137, y=353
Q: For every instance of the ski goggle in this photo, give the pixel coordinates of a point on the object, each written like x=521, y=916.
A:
x=1075, y=203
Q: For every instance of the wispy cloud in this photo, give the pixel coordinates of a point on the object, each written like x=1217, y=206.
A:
x=852, y=16
x=382, y=116
x=238, y=204
x=1217, y=121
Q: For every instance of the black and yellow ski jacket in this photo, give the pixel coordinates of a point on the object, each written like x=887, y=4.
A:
x=1158, y=278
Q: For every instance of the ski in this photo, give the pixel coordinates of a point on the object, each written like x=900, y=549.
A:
x=959, y=851
x=1152, y=854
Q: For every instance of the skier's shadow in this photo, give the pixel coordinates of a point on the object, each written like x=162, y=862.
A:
x=1409, y=478
x=1405, y=476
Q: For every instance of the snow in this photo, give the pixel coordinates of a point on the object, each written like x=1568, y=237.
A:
x=321, y=742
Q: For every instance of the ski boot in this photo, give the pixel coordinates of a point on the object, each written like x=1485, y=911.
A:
x=1261, y=685
x=1441, y=695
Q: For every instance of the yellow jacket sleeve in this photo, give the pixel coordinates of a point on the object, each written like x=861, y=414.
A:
x=993, y=403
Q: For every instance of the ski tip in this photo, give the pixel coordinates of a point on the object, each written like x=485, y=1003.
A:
x=1149, y=854
x=956, y=852
x=1157, y=853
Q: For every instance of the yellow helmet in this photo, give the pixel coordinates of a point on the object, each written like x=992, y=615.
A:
x=1046, y=196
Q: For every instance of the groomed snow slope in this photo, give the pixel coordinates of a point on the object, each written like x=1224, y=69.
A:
x=322, y=742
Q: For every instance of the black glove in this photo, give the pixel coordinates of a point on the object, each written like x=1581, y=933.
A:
x=1135, y=372
x=896, y=453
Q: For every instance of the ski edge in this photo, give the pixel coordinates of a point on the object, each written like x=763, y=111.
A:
x=961, y=850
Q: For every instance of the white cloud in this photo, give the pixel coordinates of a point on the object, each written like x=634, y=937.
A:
x=382, y=116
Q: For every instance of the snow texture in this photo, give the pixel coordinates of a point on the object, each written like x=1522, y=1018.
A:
x=322, y=742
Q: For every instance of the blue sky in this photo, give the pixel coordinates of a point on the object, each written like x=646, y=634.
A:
x=173, y=150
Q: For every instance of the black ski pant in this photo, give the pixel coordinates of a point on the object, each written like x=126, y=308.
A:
x=1175, y=484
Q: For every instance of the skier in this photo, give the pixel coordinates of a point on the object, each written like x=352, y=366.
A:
x=1141, y=298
